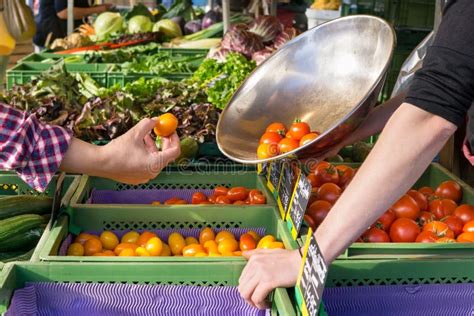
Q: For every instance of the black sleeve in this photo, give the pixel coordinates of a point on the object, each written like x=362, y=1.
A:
x=60, y=5
x=444, y=86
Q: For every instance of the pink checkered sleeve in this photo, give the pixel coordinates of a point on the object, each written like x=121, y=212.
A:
x=33, y=149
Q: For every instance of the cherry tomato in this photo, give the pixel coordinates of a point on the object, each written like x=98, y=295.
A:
x=449, y=190
x=127, y=252
x=420, y=199
x=220, y=191
x=120, y=247
x=426, y=237
x=190, y=240
x=270, y=138
x=445, y=240
x=308, y=138
x=287, y=145
x=75, y=249
x=181, y=202
x=318, y=211
x=425, y=217
x=205, y=203
x=329, y=192
x=172, y=201
x=312, y=180
x=466, y=237
x=237, y=194
x=212, y=199
x=310, y=221
x=265, y=151
x=198, y=198
x=404, y=230
x=224, y=234
x=454, y=223
x=223, y=200
x=211, y=246
x=239, y=203
x=406, y=207
x=299, y=129
x=442, y=208
x=346, y=174
x=258, y=199
x=426, y=191
x=385, y=221
x=375, y=235
x=468, y=227
x=154, y=246
x=192, y=250
x=227, y=245
x=109, y=240
x=83, y=237
x=440, y=229
x=265, y=242
x=464, y=212
x=144, y=237
x=206, y=234
x=326, y=173
x=166, y=125
x=176, y=243
x=247, y=242
x=130, y=237
x=277, y=127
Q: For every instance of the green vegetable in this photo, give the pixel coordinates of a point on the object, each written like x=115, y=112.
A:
x=16, y=226
x=139, y=24
x=16, y=256
x=23, y=240
x=139, y=9
x=169, y=28
x=360, y=151
x=189, y=150
x=108, y=23
x=336, y=158
x=215, y=30
x=24, y=204
x=183, y=8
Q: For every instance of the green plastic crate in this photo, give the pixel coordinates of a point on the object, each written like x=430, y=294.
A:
x=122, y=218
x=207, y=274
x=417, y=14
x=121, y=79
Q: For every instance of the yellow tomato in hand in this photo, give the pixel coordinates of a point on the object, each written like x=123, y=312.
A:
x=166, y=125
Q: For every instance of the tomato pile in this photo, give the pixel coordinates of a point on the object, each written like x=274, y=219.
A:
x=423, y=215
x=277, y=139
x=223, y=195
x=146, y=244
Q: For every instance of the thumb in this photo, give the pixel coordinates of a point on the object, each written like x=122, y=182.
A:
x=171, y=148
x=144, y=127
x=249, y=253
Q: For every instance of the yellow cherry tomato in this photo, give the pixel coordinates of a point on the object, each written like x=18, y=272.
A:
x=109, y=240
x=154, y=246
x=144, y=237
x=141, y=252
x=130, y=237
x=75, y=249
x=176, y=243
x=276, y=245
x=127, y=252
x=224, y=235
x=83, y=237
x=255, y=236
x=108, y=253
x=211, y=246
x=92, y=246
x=192, y=250
x=214, y=254
x=166, y=251
x=237, y=253
x=206, y=234
x=265, y=241
x=228, y=245
x=201, y=254
x=191, y=240
x=166, y=125
x=120, y=247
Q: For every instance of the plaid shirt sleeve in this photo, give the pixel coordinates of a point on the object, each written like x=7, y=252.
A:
x=33, y=149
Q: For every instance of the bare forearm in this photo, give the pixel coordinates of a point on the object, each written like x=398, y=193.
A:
x=79, y=13
x=410, y=140
x=83, y=157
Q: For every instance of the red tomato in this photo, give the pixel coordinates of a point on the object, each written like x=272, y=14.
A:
x=238, y=194
x=375, y=235
x=468, y=227
x=449, y=190
x=406, y=207
x=426, y=191
x=404, y=230
x=454, y=223
x=346, y=174
x=287, y=145
x=270, y=138
x=256, y=197
x=426, y=237
x=265, y=151
x=220, y=191
x=239, y=203
x=425, y=217
x=385, y=221
x=310, y=222
x=299, y=129
x=308, y=138
x=466, y=237
x=247, y=242
x=440, y=229
x=223, y=200
x=312, y=180
x=198, y=198
x=276, y=127
x=325, y=172
x=420, y=199
x=464, y=212
x=318, y=211
x=206, y=203
x=442, y=208
x=212, y=199
x=329, y=192
x=172, y=201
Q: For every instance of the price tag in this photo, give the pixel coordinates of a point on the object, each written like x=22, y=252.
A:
x=312, y=277
x=262, y=169
x=287, y=183
x=274, y=175
x=298, y=204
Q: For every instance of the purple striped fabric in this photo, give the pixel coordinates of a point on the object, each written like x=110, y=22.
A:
x=142, y=196
x=164, y=233
x=92, y=299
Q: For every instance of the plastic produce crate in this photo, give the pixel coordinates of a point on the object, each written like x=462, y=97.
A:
x=121, y=218
x=207, y=274
x=117, y=77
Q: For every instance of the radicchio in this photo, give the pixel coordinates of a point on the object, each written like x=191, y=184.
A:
x=242, y=41
x=263, y=54
x=267, y=27
x=287, y=34
x=218, y=53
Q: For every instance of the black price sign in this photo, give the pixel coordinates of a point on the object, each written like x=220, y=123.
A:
x=285, y=191
x=298, y=204
x=274, y=175
x=262, y=169
x=313, y=274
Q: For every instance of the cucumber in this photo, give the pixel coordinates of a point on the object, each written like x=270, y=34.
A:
x=22, y=241
x=16, y=256
x=24, y=204
x=18, y=225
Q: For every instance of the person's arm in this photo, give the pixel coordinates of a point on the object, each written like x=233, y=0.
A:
x=79, y=12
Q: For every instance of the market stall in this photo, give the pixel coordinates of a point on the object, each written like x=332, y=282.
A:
x=252, y=100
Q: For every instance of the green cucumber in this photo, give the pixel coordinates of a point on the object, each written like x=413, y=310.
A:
x=24, y=204
x=22, y=241
x=16, y=256
x=15, y=226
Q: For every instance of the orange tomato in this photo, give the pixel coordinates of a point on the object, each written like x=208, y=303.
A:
x=255, y=236
x=166, y=125
x=206, y=234
x=198, y=198
x=265, y=242
x=176, y=243
x=75, y=249
x=224, y=235
x=287, y=145
x=237, y=253
x=276, y=245
x=123, y=246
x=92, y=246
x=166, y=251
x=439, y=228
x=127, y=252
x=192, y=250
x=270, y=138
x=299, y=129
x=83, y=237
x=223, y=200
x=154, y=245
x=108, y=253
x=227, y=245
x=308, y=138
x=109, y=240
x=265, y=151
x=201, y=254
x=130, y=237
x=99, y=254
x=444, y=240
x=141, y=252
x=220, y=190
x=466, y=237
x=210, y=246
x=190, y=240
x=247, y=242
x=276, y=127
x=144, y=237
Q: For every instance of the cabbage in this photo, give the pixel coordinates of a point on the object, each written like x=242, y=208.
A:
x=168, y=28
x=267, y=27
x=139, y=24
x=107, y=23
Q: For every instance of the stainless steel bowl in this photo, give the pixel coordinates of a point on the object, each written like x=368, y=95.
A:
x=329, y=77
